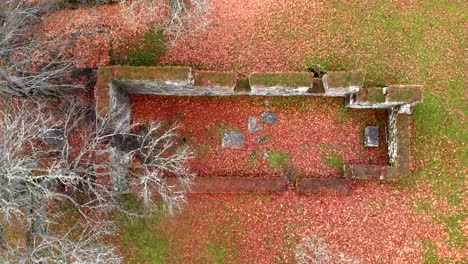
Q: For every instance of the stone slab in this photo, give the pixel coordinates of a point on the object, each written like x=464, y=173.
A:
x=371, y=136
x=282, y=79
x=269, y=118
x=308, y=186
x=214, y=185
x=233, y=139
x=404, y=93
x=215, y=79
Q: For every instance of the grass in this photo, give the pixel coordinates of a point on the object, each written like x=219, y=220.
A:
x=279, y=159
x=216, y=253
x=332, y=160
x=422, y=45
x=147, y=53
x=141, y=238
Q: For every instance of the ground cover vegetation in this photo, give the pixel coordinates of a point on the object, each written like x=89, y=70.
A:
x=419, y=219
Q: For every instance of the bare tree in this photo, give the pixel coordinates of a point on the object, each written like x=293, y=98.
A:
x=315, y=250
x=79, y=162
x=177, y=18
x=30, y=63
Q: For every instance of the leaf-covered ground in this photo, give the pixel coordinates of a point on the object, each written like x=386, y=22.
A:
x=313, y=136
x=422, y=218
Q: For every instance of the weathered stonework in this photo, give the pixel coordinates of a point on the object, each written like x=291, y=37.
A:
x=114, y=84
x=341, y=83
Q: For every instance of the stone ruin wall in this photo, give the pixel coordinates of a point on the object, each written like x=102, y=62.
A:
x=117, y=82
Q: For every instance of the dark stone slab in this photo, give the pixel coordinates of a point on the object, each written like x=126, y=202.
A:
x=232, y=185
x=233, y=139
x=371, y=136
x=55, y=136
x=308, y=186
x=269, y=118
x=366, y=172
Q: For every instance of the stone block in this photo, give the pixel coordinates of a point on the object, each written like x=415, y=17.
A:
x=233, y=139
x=309, y=186
x=232, y=185
x=166, y=73
x=371, y=95
x=287, y=79
x=404, y=93
x=371, y=136
x=252, y=125
x=340, y=83
x=215, y=79
x=366, y=172
x=357, y=78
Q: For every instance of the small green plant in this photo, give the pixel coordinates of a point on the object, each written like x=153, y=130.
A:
x=279, y=159
x=142, y=236
x=148, y=53
x=217, y=253
x=332, y=160
x=252, y=159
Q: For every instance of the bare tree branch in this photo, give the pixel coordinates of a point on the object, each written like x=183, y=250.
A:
x=80, y=172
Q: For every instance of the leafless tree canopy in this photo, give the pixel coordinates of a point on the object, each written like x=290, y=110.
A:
x=29, y=63
x=66, y=158
x=314, y=250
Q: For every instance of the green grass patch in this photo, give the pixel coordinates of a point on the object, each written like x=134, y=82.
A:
x=147, y=53
x=216, y=253
x=332, y=160
x=279, y=159
x=141, y=238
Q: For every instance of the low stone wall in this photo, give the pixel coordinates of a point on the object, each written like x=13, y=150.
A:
x=115, y=83
x=203, y=185
x=306, y=186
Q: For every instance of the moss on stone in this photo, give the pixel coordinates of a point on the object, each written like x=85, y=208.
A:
x=337, y=79
x=344, y=79
x=357, y=78
x=152, y=73
x=371, y=95
x=404, y=93
x=215, y=79
x=289, y=79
